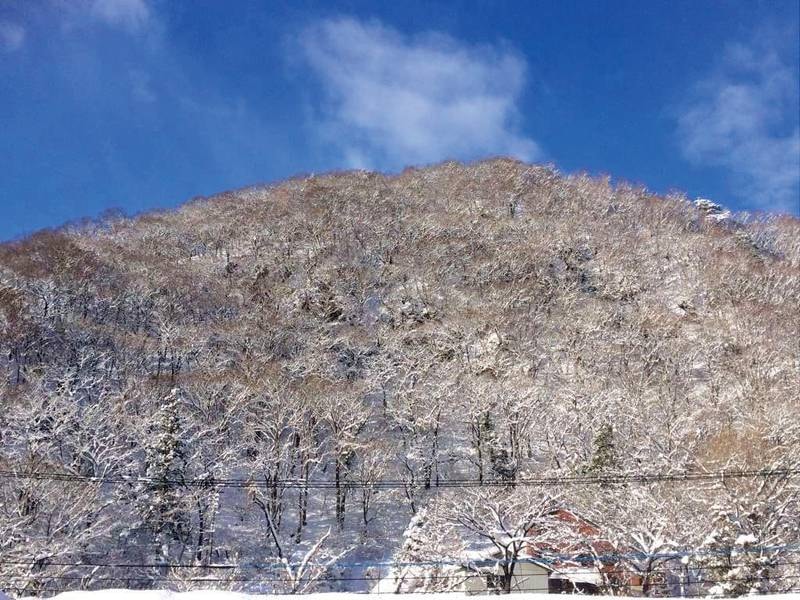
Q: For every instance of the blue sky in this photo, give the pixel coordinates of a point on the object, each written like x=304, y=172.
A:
x=139, y=104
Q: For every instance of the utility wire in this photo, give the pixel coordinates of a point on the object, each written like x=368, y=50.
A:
x=460, y=576
x=404, y=576
x=552, y=558
x=211, y=482
x=700, y=594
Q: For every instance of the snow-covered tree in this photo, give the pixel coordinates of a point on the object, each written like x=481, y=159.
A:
x=159, y=497
x=428, y=550
x=506, y=524
x=731, y=558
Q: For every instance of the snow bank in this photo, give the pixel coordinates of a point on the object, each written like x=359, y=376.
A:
x=220, y=595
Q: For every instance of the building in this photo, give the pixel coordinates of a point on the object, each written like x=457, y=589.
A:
x=582, y=561
x=485, y=576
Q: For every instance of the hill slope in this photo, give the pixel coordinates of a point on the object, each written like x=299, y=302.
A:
x=485, y=322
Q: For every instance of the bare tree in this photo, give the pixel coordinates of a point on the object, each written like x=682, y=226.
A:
x=510, y=524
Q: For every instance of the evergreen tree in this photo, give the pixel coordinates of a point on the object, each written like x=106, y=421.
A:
x=159, y=497
x=604, y=455
x=501, y=460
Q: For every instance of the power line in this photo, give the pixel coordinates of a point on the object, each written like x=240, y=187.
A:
x=211, y=482
x=460, y=579
x=335, y=579
x=550, y=558
x=700, y=594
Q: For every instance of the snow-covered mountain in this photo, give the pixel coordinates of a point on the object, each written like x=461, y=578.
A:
x=290, y=373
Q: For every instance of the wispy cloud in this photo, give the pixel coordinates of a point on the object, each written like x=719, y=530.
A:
x=128, y=14
x=12, y=36
x=743, y=118
x=137, y=71
x=391, y=100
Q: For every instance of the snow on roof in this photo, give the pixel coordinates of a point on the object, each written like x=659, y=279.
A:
x=480, y=553
x=579, y=575
x=489, y=556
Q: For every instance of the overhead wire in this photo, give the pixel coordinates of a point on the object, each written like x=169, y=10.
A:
x=551, y=559
x=253, y=482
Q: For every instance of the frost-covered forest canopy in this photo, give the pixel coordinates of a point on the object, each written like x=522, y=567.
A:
x=297, y=371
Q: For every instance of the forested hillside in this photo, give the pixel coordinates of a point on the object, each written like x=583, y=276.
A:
x=228, y=382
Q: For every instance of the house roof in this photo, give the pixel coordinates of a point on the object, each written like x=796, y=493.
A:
x=491, y=563
x=488, y=557
x=579, y=575
x=587, y=534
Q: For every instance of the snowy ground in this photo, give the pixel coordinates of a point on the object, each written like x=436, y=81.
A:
x=219, y=595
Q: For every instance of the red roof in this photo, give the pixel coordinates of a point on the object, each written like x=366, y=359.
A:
x=585, y=540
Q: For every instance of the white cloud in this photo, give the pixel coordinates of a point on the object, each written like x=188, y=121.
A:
x=12, y=36
x=743, y=118
x=391, y=100
x=132, y=15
